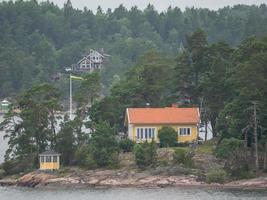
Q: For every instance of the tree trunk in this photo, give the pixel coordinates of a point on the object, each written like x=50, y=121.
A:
x=246, y=139
x=206, y=130
x=265, y=157
x=213, y=124
x=53, y=129
x=256, y=139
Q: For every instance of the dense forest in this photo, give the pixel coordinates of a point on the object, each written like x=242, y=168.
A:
x=38, y=40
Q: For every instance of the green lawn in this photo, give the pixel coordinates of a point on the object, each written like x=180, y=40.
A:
x=207, y=147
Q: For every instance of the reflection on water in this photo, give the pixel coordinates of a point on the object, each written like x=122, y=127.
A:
x=128, y=194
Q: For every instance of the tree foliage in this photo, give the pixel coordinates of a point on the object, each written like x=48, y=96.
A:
x=167, y=137
x=103, y=146
x=33, y=128
x=145, y=154
x=39, y=40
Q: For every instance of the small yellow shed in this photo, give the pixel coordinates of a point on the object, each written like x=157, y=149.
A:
x=49, y=160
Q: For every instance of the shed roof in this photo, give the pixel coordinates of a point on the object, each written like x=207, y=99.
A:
x=49, y=152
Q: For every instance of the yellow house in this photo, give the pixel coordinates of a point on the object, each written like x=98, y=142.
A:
x=144, y=123
x=49, y=160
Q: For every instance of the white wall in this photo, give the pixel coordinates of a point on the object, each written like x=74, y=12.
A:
x=202, y=133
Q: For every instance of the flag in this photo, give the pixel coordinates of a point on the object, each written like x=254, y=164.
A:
x=76, y=77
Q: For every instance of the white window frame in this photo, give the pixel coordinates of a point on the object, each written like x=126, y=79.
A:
x=141, y=131
x=55, y=159
x=48, y=159
x=187, y=128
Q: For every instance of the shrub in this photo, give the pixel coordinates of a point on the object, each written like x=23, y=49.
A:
x=183, y=156
x=139, y=154
x=89, y=162
x=145, y=154
x=2, y=173
x=179, y=156
x=238, y=160
x=113, y=161
x=19, y=165
x=216, y=176
x=227, y=147
x=80, y=155
x=126, y=145
x=167, y=137
x=151, y=149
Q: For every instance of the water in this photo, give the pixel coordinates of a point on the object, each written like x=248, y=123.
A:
x=10, y=193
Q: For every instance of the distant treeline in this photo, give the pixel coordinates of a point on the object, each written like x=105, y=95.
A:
x=38, y=40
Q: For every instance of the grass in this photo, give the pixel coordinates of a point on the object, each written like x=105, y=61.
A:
x=185, y=148
x=207, y=147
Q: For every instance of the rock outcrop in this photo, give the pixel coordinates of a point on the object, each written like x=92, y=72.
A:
x=34, y=179
x=121, y=178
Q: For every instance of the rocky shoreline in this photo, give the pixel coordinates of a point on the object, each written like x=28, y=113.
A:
x=118, y=178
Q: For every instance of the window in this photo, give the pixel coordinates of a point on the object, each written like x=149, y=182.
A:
x=54, y=159
x=42, y=159
x=185, y=131
x=48, y=159
x=145, y=133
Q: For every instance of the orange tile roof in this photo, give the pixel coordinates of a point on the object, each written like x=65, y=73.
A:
x=169, y=115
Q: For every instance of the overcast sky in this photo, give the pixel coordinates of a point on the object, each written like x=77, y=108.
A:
x=159, y=4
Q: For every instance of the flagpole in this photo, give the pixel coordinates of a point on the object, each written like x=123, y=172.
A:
x=70, y=97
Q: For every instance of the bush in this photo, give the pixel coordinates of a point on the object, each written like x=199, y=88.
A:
x=167, y=137
x=126, y=145
x=139, y=154
x=227, y=147
x=113, y=161
x=179, y=156
x=183, y=156
x=216, y=176
x=2, y=173
x=239, y=162
x=19, y=165
x=89, y=162
x=81, y=155
x=145, y=154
